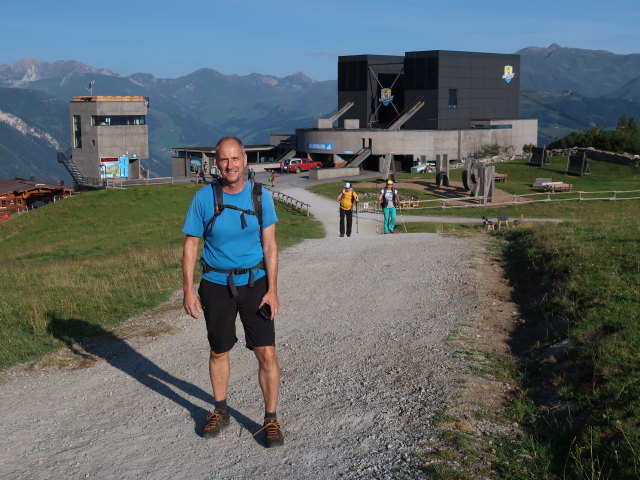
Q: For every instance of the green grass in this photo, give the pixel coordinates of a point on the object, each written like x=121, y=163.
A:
x=588, y=273
x=604, y=176
x=98, y=258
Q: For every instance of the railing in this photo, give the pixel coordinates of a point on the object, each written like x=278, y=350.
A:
x=410, y=203
x=292, y=202
x=122, y=182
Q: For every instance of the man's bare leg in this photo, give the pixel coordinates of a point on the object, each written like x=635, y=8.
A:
x=219, y=369
x=268, y=376
x=219, y=374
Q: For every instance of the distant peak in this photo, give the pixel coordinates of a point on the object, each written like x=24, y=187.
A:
x=554, y=47
x=299, y=77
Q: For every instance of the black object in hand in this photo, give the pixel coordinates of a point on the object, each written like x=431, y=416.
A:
x=265, y=311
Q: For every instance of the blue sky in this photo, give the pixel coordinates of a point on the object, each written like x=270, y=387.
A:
x=280, y=37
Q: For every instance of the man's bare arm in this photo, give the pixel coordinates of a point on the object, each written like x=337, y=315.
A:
x=190, y=301
x=270, y=249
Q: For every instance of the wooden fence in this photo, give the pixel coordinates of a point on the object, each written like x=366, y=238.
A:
x=503, y=200
x=292, y=202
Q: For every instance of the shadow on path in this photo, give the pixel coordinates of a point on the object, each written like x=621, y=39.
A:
x=88, y=340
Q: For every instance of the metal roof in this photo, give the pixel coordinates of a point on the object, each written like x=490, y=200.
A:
x=21, y=185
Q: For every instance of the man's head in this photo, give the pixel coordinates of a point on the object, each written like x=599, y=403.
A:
x=347, y=186
x=389, y=183
x=231, y=159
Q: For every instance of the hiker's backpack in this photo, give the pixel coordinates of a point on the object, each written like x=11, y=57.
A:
x=383, y=200
x=344, y=201
x=219, y=205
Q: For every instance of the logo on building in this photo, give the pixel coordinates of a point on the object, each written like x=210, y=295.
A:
x=319, y=146
x=508, y=73
x=385, y=96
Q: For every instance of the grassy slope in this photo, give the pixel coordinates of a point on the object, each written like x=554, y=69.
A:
x=578, y=281
x=99, y=257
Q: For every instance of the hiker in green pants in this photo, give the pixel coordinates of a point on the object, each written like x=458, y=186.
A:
x=388, y=198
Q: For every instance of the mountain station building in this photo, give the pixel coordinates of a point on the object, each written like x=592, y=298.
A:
x=419, y=106
x=412, y=108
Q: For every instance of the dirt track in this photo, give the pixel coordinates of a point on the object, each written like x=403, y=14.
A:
x=364, y=345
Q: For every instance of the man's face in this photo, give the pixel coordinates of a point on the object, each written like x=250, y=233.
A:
x=231, y=161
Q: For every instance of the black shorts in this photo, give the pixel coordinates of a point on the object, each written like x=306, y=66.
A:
x=221, y=309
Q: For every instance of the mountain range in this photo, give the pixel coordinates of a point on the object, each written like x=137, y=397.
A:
x=593, y=86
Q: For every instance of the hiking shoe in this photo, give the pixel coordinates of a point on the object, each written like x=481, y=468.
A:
x=273, y=433
x=216, y=421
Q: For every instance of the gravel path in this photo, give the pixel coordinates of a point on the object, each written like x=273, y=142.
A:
x=366, y=366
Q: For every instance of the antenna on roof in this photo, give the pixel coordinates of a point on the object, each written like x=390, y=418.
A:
x=90, y=87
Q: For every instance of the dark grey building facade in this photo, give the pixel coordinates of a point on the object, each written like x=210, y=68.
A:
x=362, y=79
x=418, y=106
x=460, y=87
x=456, y=88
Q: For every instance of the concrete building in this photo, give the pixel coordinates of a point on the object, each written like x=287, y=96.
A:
x=409, y=108
x=109, y=137
x=418, y=106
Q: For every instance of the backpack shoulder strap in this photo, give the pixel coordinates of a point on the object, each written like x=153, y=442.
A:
x=256, y=199
x=218, y=198
x=218, y=203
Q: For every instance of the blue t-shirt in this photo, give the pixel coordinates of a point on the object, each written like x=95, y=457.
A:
x=229, y=246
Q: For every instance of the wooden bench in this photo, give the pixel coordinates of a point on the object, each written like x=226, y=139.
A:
x=500, y=177
x=503, y=222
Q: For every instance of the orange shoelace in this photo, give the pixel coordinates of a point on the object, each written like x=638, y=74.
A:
x=213, y=419
x=272, y=430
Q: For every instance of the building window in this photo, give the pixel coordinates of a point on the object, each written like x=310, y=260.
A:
x=4, y=203
x=453, y=98
x=77, y=132
x=118, y=120
x=502, y=126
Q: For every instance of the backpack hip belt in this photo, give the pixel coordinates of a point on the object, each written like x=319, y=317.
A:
x=206, y=268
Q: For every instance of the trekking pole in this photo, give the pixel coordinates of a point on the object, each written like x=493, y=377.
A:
x=357, y=218
x=404, y=224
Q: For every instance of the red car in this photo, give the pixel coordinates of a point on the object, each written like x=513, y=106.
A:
x=299, y=164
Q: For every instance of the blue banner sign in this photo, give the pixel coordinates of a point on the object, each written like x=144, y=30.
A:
x=123, y=166
x=319, y=146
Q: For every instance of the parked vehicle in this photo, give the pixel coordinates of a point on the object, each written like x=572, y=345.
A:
x=299, y=164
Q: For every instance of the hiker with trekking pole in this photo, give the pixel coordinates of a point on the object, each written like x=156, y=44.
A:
x=347, y=198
